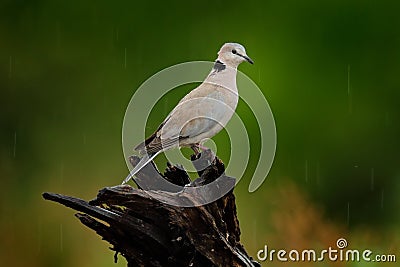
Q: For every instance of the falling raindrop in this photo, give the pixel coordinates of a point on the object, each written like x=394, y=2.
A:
x=382, y=195
x=15, y=145
x=318, y=173
x=306, y=170
x=348, y=213
x=372, y=179
x=61, y=238
x=349, y=90
x=125, y=58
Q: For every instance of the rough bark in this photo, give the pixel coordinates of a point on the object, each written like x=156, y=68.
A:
x=148, y=232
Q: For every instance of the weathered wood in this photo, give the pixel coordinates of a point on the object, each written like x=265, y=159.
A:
x=149, y=232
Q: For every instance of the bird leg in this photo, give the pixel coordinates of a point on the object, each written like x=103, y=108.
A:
x=196, y=148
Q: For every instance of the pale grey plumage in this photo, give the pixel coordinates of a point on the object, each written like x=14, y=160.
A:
x=202, y=113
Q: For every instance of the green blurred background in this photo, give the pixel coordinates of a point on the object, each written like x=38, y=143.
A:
x=329, y=69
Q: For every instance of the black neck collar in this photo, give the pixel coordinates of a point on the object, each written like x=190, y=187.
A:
x=219, y=66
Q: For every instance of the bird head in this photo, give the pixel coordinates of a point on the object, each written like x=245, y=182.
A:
x=232, y=54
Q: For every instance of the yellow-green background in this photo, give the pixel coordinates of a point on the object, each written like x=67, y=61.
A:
x=329, y=69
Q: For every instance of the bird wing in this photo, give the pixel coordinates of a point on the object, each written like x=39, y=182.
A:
x=198, y=112
x=154, y=143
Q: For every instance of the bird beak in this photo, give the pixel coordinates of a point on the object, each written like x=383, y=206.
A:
x=247, y=58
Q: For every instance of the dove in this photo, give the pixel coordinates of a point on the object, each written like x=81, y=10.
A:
x=202, y=113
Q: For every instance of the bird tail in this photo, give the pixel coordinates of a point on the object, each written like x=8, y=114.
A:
x=142, y=163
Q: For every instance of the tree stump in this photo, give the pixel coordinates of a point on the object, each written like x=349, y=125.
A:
x=143, y=226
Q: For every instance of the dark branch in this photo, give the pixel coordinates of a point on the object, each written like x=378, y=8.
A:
x=148, y=232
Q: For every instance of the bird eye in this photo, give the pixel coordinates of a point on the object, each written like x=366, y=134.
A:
x=234, y=51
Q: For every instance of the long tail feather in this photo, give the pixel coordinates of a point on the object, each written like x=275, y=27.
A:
x=143, y=162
